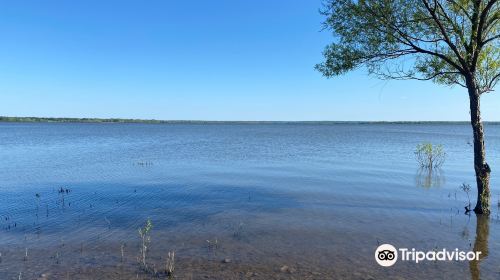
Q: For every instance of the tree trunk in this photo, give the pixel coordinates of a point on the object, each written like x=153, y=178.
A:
x=480, y=166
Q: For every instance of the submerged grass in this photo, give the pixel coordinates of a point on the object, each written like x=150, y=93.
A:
x=466, y=189
x=144, y=233
x=170, y=264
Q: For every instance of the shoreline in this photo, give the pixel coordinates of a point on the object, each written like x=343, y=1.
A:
x=6, y=119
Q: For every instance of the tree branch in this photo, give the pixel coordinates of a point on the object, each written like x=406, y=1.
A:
x=412, y=76
x=406, y=39
x=480, y=29
x=491, y=39
x=445, y=34
x=493, y=82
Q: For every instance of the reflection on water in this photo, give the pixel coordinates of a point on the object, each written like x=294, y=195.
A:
x=480, y=244
x=430, y=177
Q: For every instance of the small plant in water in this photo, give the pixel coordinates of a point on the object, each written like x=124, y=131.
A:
x=170, y=264
x=108, y=222
x=238, y=231
x=212, y=246
x=430, y=156
x=144, y=233
x=122, y=250
x=466, y=189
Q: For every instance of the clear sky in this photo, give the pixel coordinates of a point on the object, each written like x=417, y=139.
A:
x=203, y=60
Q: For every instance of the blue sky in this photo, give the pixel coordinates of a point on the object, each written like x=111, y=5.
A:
x=203, y=60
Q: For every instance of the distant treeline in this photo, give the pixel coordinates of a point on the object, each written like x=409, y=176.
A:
x=76, y=120
x=118, y=120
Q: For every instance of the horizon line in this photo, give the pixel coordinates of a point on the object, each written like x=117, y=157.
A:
x=186, y=121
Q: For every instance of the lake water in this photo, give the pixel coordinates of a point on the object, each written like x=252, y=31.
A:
x=239, y=201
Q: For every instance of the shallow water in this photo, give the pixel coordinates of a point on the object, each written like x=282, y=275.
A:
x=316, y=198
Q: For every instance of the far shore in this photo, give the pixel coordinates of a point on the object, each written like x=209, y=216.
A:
x=154, y=121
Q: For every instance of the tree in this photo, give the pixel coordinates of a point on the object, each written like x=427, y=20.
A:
x=450, y=42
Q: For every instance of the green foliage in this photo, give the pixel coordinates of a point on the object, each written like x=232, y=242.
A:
x=440, y=40
x=430, y=156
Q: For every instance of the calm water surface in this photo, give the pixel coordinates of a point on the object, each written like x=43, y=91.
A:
x=280, y=201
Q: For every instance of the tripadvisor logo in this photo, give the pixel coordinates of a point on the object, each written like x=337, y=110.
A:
x=387, y=255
